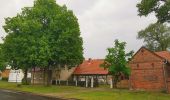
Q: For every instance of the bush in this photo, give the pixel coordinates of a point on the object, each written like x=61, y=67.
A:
x=19, y=85
x=26, y=83
x=4, y=78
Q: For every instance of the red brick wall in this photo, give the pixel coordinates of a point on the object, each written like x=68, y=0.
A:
x=147, y=72
x=168, y=77
x=145, y=56
x=168, y=84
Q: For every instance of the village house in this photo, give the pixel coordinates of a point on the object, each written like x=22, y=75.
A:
x=150, y=70
x=12, y=75
x=57, y=76
x=87, y=74
x=5, y=73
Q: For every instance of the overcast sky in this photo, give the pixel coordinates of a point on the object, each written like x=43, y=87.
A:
x=101, y=22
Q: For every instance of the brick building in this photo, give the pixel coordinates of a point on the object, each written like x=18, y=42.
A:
x=150, y=70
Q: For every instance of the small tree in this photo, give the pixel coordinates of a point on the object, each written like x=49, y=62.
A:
x=116, y=61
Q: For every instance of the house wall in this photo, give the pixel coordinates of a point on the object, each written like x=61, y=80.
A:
x=64, y=74
x=16, y=75
x=146, y=77
x=38, y=77
x=147, y=72
x=168, y=77
x=5, y=73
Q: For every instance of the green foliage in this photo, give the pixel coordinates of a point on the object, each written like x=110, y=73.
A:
x=161, y=8
x=4, y=79
x=3, y=64
x=156, y=37
x=45, y=35
x=81, y=93
x=116, y=61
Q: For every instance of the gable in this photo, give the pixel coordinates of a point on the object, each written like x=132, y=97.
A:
x=145, y=55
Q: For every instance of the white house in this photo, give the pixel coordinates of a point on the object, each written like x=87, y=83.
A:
x=16, y=75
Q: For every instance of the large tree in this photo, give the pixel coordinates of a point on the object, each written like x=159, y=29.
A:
x=46, y=35
x=3, y=64
x=156, y=37
x=116, y=61
x=161, y=9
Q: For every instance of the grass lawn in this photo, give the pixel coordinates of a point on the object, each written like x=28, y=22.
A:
x=102, y=93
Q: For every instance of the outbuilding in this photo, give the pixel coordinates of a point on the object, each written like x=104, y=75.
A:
x=150, y=70
x=89, y=73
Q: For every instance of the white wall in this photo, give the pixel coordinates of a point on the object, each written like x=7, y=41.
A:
x=16, y=76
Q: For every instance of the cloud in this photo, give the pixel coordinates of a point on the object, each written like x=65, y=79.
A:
x=108, y=20
x=101, y=22
x=10, y=8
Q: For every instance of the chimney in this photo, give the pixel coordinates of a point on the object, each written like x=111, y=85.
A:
x=89, y=60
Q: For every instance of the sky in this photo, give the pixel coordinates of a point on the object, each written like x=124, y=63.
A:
x=101, y=22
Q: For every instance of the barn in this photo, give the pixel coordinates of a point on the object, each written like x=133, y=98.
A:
x=150, y=70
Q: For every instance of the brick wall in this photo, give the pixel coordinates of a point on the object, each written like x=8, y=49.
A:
x=123, y=84
x=147, y=72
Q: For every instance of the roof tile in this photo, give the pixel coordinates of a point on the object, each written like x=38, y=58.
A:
x=90, y=67
x=164, y=54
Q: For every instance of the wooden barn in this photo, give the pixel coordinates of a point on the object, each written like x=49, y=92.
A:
x=150, y=70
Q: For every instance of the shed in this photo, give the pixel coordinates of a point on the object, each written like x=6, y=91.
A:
x=150, y=70
x=90, y=73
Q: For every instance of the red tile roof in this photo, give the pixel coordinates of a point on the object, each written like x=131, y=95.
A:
x=90, y=67
x=164, y=54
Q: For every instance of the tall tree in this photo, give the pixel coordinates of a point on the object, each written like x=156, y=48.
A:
x=116, y=61
x=46, y=35
x=161, y=8
x=156, y=37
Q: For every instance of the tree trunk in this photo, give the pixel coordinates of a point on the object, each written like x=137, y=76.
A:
x=25, y=81
x=115, y=80
x=49, y=74
x=33, y=75
x=44, y=82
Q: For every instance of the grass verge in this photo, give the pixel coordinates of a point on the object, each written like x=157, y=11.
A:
x=102, y=93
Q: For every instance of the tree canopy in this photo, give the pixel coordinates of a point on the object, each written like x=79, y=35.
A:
x=116, y=61
x=45, y=35
x=156, y=37
x=3, y=62
x=161, y=8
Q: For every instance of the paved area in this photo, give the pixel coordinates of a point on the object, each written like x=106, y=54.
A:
x=12, y=95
